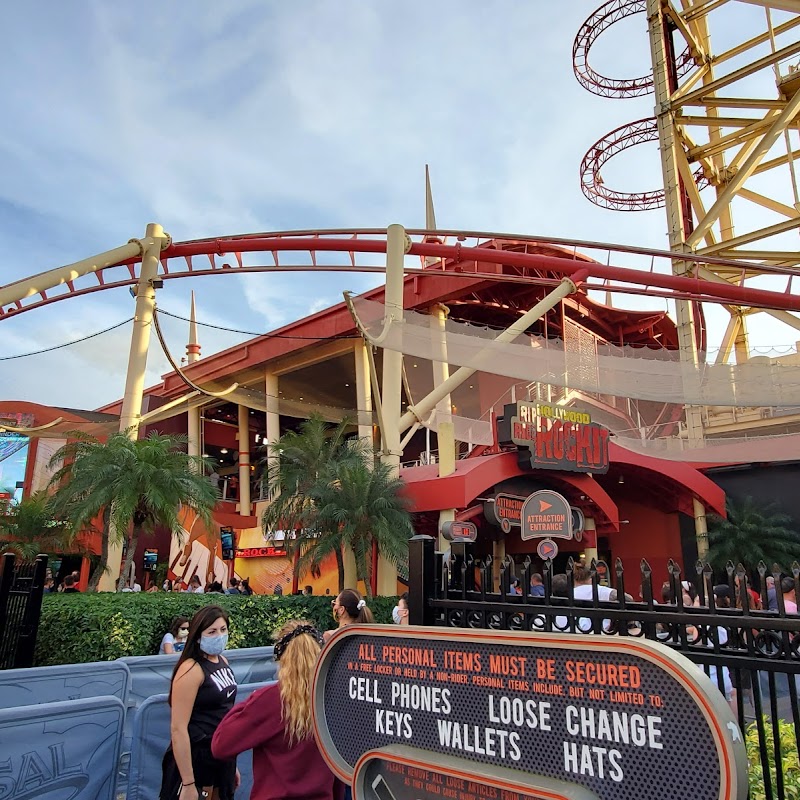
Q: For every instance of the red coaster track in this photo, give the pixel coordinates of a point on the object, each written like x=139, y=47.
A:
x=593, y=81
x=622, y=138
x=626, y=136
x=508, y=258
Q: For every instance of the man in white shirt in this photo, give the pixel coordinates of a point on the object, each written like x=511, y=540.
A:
x=583, y=591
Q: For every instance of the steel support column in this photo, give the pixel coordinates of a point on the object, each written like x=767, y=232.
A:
x=155, y=241
x=397, y=244
x=669, y=145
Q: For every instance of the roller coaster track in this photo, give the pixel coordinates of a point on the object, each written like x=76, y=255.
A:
x=626, y=136
x=466, y=255
x=591, y=80
x=623, y=138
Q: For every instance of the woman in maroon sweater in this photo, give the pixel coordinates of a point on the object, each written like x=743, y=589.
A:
x=275, y=723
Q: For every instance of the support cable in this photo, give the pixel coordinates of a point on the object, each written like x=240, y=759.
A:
x=67, y=344
x=177, y=369
x=261, y=333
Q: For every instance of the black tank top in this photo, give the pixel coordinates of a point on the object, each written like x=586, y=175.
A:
x=215, y=698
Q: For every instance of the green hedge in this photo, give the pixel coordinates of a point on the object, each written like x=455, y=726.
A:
x=79, y=628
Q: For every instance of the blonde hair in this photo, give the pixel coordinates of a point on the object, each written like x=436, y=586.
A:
x=294, y=680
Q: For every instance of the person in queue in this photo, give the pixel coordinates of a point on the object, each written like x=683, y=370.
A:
x=537, y=585
x=275, y=723
x=400, y=611
x=202, y=691
x=789, y=594
x=349, y=608
x=174, y=639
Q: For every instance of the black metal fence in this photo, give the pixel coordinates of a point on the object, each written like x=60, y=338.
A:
x=21, y=588
x=753, y=655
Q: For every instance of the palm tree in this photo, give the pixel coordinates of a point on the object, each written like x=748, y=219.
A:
x=297, y=463
x=359, y=506
x=31, y=526
x=135, y=485
x=750, y=534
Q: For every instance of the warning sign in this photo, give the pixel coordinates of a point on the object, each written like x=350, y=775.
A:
x=546, y=514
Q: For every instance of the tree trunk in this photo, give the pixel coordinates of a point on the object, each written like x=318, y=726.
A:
x=102, y=564
x=132, y=544
x=340, y=567
x=363, y=571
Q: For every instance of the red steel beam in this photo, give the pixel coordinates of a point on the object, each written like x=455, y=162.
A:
x=694, y=287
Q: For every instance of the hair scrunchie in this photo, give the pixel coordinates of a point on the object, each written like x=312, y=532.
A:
x=361, y=604
x=283, y=642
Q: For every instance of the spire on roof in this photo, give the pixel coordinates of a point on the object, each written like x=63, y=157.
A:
x=430, y=217
x=193, y=348
x=430, y=214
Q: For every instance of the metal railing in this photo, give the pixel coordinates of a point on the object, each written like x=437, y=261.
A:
x=21, y=589
x=752, y=655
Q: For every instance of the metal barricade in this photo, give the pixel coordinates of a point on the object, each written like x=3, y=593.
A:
x=751, y=655
x=21, y=589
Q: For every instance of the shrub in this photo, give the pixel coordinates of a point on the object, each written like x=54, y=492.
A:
x=789, y=758
x=78, y=628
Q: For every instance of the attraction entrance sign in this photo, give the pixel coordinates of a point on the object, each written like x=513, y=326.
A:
x=546, y=515
x=620, y=717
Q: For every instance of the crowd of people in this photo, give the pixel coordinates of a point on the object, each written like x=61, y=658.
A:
x=67, y=585
x=208, y=731
x=196, y=586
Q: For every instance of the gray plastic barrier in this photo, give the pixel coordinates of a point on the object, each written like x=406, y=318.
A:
x=151, y=738
x=27, y=687
x=66, y=749
x=151, y=675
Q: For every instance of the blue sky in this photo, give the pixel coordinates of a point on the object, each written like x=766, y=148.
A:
x=245, y=116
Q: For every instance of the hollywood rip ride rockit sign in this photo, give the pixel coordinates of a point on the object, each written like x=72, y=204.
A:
x=413, y=713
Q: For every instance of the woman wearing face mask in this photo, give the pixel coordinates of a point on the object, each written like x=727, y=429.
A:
x=175, y=638
x=349, y=608
x=202, y=691
x=400, y=611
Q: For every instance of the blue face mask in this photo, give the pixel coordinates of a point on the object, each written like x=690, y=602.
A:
x=213, y=645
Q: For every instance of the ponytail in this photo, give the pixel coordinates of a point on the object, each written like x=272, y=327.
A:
x=356, y=607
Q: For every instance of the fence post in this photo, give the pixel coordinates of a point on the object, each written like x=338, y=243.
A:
x=6, y=581
x=26, y=645
x=421, y=580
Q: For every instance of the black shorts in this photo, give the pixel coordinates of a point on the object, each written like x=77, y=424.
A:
x=208, y=771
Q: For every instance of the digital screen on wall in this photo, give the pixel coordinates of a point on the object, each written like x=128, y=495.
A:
x=13, y=462
x=150, y=560
x=226, y=535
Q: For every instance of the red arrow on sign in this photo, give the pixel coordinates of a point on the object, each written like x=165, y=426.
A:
x=543, y=506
